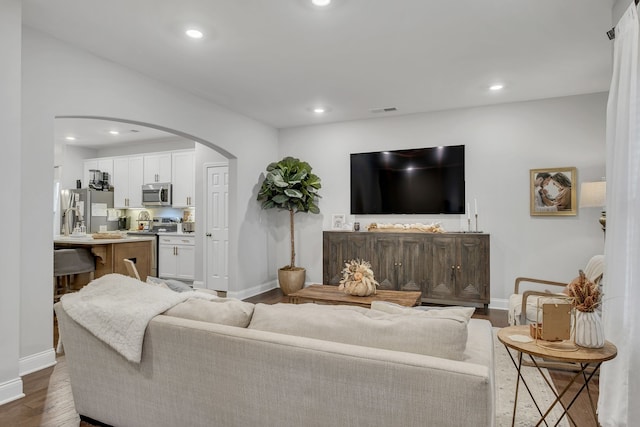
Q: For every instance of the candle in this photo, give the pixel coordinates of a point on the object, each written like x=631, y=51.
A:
x=468, y=211
x=475, y=201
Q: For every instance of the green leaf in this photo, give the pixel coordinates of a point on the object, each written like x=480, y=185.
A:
x=268, y=204
x=279, y=181
x=280, y=199
x=272, y=166
x=292, y=193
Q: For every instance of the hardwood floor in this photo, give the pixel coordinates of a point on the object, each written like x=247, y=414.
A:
x=49, y=402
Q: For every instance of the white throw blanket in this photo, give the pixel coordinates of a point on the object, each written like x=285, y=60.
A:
x=117, y=310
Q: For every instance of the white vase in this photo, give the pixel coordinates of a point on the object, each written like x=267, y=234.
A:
x=589, y=331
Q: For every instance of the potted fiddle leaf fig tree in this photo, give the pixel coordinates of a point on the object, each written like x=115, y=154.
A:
x=289, y=185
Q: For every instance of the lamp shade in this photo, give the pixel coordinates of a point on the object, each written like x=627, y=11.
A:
x=593, y=194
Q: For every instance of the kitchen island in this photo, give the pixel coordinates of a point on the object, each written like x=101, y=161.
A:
x=110, y=253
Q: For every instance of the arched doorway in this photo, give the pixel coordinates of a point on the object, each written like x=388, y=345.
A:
x=140, y=137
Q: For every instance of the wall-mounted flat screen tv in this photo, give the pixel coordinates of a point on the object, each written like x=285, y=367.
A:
x=416, y=181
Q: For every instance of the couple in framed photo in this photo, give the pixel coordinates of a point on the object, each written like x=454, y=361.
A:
x=553, y=191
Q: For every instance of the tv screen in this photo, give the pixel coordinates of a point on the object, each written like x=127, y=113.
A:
x=417, y=181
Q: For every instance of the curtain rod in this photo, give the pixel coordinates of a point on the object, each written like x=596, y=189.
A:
x=612, y=32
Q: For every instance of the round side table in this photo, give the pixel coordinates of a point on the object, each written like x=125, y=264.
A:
x=587, y=359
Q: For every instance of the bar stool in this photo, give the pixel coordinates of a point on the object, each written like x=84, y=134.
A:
x=66, y=264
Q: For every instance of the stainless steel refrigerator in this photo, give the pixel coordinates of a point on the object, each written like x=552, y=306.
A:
x=93, y=207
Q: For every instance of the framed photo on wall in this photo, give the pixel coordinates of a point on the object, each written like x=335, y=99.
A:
x=337, y=221
x=553, y=191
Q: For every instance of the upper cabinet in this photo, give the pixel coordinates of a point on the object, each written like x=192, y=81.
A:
x=103, y=165
x=127, y=182
x=157, y=168
x=127, y=174
x=183, y=178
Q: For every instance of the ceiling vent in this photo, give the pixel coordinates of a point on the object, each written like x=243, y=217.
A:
x=384, y=110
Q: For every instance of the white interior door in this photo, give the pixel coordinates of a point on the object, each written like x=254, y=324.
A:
x=217, y=228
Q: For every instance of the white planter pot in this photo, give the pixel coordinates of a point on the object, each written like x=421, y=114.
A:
x=589, y=331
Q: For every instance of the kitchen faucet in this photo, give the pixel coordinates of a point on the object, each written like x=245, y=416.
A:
x=65, y=220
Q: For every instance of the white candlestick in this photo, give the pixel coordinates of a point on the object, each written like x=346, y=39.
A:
x=475, y=201
x=468, y=211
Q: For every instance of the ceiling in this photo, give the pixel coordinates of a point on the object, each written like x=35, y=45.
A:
x=96, y=133
x=276, y=60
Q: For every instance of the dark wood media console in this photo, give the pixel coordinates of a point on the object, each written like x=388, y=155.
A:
x=449, y=268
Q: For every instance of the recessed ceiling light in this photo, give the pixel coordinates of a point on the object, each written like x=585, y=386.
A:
x=194, y=34
x=70, y=138
x=114, y=132
x=496, y=87
x=321, y=3
x=319, y=109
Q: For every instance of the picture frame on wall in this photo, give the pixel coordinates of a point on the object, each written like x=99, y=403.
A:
x=337, y=221
x=553, y=191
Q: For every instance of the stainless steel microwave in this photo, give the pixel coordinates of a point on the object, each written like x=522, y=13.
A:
x=159, y=194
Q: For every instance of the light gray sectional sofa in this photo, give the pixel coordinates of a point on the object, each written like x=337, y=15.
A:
x=305, y=365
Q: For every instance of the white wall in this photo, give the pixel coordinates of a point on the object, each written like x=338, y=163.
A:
x=149, y=146
x=619, y=7
x=503, y=143
x=72, y=164
x=59, y=80
x=10, y=196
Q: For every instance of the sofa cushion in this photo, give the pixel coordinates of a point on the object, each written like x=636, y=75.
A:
x=444, y=337
x=456, y=313
x=224, y=311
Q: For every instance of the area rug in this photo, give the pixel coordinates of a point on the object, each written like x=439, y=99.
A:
x=506, y=375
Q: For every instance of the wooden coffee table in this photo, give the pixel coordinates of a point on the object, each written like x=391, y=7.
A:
x=329, y=294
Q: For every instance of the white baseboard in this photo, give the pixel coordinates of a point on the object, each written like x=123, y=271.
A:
x=10, y=391
x=499, y=304
x=36, y=362
x=251, y=292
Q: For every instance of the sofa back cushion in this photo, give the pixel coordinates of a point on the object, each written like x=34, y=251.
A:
x=225, y=311
x=444, y=337
x=462, y=314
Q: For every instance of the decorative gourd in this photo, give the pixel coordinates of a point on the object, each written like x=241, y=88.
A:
x=357, y=279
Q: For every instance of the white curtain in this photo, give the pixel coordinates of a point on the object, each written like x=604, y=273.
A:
x=619, y=403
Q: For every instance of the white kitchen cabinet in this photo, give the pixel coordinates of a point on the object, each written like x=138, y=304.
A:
x=176, y=257
x=183, y=178
x=127, y=182
x=103, y=165
x=157, y=168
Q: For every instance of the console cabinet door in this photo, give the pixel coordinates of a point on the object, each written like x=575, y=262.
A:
x=411, y=271
x=460, y=268
x=385, y=261
x=442, y=260
x=473, y=276
x=338, y=249
x=397, y=261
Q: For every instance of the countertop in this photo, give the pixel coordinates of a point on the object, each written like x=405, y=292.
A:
x=168, y=233
x=160, y=233
x=90, y=241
